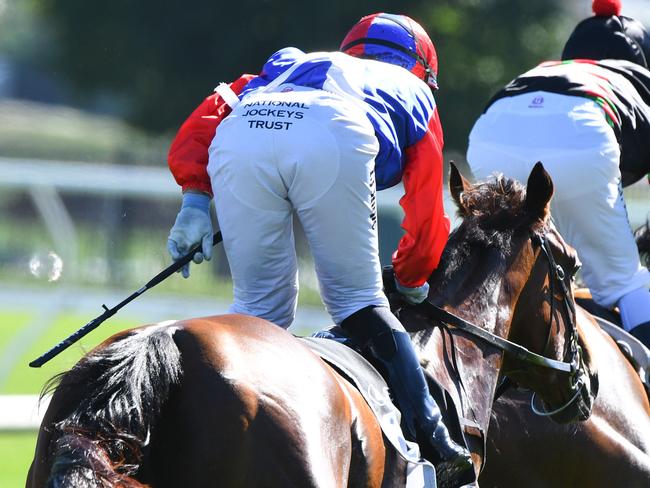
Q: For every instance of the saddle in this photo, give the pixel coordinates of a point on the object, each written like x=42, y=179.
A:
x=610, y=322
x=337, y=350
x=420, y=473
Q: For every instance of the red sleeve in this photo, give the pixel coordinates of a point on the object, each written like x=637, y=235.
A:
x=188, y=154
x=425, y=223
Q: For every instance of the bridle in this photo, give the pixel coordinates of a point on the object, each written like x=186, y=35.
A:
x=572, y=348
x=572, y=363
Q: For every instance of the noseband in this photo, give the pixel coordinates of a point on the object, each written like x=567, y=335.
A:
x=573, y=365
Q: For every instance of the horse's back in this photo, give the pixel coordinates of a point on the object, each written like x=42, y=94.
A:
x=256, y=407
x=229, y=400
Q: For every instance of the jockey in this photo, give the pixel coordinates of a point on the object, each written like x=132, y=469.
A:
x=316, y=135
x=587, y=119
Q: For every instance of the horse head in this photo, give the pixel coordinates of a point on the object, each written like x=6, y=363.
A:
x=507, y=270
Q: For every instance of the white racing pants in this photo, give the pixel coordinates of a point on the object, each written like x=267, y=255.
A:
x=571, y=137
x=308, y=151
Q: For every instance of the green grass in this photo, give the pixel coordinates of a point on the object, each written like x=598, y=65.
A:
x=16, y=452
x=17, y=447
x=10, y=324
x=25, y=380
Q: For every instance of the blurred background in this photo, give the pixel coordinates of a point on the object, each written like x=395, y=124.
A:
x=91, y=95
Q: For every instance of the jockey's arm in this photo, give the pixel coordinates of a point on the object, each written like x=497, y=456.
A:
x=188, y=154
x=425, y=224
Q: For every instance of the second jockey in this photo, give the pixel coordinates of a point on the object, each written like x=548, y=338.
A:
x=587, y=119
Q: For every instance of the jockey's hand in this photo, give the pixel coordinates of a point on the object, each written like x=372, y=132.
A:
x=388, y=278
x=193, y=226
x=413, y=295
x=397, y=292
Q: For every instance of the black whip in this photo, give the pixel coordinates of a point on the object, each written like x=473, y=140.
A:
x=109, y=312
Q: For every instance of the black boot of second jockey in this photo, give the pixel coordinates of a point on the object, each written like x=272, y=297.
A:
x=391, y=345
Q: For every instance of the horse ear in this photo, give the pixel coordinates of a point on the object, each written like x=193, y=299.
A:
x=539, y=191
x=457, y=186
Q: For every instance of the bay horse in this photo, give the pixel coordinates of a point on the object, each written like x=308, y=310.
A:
x=612, y=448
x=507, y=269
x=234, y=401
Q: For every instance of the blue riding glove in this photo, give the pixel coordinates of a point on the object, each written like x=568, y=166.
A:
x=193, y=226
x=413, y=295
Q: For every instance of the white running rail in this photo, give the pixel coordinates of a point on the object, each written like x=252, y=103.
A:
x=21, y=412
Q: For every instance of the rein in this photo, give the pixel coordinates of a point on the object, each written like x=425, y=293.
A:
x=520, y=352
x=556, y=274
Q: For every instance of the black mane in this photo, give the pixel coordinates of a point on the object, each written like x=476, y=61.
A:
x=492, y=212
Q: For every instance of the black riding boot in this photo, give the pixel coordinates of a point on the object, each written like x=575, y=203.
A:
x=391, y=345
x=642, y=332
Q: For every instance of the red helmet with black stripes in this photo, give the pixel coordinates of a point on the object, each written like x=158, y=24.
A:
x=395, y=39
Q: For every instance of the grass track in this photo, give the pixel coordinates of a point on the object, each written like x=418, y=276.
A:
x=10, y=323
x=16, y=451
x=25, y=380
x=17, y=447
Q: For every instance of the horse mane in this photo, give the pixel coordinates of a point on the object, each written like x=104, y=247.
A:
x=122, y=387
x=642, y=237
x=492, y=211
x=495, y=206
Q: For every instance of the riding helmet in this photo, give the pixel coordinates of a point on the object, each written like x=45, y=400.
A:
x=609, y=35
x=394, y=39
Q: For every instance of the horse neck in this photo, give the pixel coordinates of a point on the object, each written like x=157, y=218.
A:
x=468, y=372
x=484, y=289
x=483, y=295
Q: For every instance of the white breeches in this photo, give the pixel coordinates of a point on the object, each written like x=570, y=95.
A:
x=571, y=137
x=309, y=152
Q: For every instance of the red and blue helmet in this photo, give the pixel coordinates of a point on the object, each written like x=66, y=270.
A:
x=394, y=39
